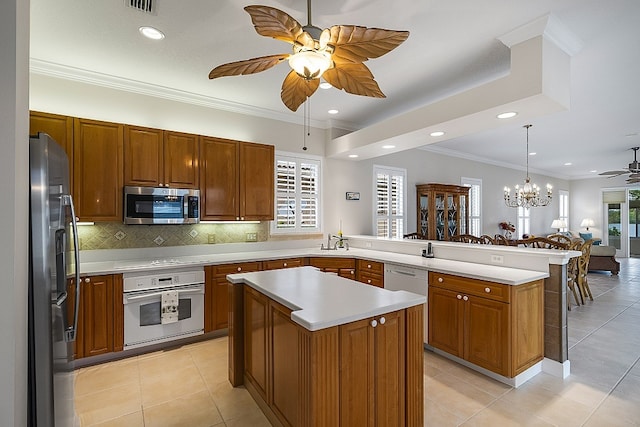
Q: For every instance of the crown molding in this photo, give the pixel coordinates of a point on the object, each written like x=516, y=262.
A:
x=548, y=26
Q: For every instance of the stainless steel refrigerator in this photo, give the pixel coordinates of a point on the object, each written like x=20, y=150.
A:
x=53, y=258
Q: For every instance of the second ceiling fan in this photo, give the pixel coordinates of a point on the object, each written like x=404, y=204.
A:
x=633, y=170
x=336, y=54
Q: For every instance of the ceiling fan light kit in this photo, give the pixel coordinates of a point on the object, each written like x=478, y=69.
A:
x=336, y=54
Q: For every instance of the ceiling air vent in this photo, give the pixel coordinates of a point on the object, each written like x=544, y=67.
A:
x=147, y=6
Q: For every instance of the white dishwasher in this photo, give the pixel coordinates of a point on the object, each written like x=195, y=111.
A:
x=402, y=278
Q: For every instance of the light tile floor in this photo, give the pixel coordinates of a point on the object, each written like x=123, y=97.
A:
x=188, y=386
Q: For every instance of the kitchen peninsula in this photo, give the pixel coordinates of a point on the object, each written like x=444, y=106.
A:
x=317, y=349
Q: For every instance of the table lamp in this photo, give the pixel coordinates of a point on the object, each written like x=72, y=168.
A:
x=558, y=224
x=587, y=222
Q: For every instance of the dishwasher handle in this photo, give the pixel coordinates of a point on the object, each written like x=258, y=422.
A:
x=405, y=273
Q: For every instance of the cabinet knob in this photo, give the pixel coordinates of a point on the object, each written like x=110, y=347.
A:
x=440, y=280
x=459, y=296
x=285, y=264
x=383, y=320
x=374, y=323
x=239, y=268
x=241, y=218
x=369, y=281
x=87, y=280
x=465, y=298
x=352, y=272
x=487, y=290
x=237, y=218
x=368, y=265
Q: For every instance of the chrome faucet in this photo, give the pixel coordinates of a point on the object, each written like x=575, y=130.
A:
x=340, y=242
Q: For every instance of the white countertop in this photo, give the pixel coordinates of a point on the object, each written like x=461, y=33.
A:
x=498, y=274
x=322, y=300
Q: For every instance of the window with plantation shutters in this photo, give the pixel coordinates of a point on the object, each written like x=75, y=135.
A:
x=297, y=195
x=389, y=201
x=475, y=204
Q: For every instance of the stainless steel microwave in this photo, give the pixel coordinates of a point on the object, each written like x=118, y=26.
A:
x=151, y=205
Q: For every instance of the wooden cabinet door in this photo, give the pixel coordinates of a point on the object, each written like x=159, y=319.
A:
x=97, y=315
x=97, y=172
x=256, y=340
x=181, y=160
x=446, y=321
x=256, y=182
x=390, y=369
x=286, y=389
x=357, y=373
x=60, y=128
x=143, y=156
x=219, y=294
x=219, y=192
x=487, y=334
x=275, y=264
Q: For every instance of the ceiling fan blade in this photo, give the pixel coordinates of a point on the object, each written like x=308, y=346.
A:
x=272, y=22
x=353, y=78
x=296, y=90
x=634, y=175
x=616, y=173
x=248, y=66
x=633, y=181
x=357, y=44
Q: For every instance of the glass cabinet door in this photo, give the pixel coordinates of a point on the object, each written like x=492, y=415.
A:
x=424, y=214
x=440, y=216
x=463, y=214
x=452, y=215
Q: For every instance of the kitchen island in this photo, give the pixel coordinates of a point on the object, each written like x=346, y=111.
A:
x=313, y=348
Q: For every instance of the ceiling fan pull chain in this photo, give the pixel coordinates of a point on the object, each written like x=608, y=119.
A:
x=306, y=123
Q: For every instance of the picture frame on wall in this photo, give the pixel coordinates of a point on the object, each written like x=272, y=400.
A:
x=353, y=195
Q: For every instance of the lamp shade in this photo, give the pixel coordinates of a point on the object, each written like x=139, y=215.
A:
x=558, y=223
x=587, y=222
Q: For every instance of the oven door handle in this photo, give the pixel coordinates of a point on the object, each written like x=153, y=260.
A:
x=155, y=294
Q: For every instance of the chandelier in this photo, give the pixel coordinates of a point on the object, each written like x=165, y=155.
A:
x=528, y=195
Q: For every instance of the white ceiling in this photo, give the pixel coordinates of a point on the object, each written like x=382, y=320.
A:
x=453, y=46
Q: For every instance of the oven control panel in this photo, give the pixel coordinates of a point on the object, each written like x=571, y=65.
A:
x=138, y=281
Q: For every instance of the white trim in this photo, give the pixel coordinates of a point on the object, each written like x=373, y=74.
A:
x=557, y=369
x=470, y=182
x=395, y=171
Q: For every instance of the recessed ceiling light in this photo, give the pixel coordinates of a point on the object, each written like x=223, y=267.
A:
x=437, y=133
x=593, y=171
x=353, y=156
x=325, y=85
x=151, y=33
x=533, y=153
x=507, y=115
x=387, y=147
x=333, y=111
x=568, y=164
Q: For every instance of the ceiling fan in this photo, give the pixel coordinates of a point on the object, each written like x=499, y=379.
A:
x=633, y=170
x=336, y=54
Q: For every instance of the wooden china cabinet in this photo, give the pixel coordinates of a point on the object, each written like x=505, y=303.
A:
x=443, y=210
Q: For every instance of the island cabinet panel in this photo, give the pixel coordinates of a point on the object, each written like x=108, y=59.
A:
x=216, y=294
x=181, y=160
x=143, y=156
x=343, y=267
x=97, y=171
x=355, y=374
x=372, y=366
x=497, y=327
x=60, y=128
x=370, y=272
x=275, y=264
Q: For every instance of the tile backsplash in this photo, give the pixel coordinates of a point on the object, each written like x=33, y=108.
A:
x=115, y=235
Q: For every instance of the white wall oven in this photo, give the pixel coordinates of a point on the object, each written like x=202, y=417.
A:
x=164, y=306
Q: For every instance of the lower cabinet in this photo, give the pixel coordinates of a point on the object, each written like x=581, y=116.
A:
x=344, y=267
x=494, y=326
x=276, y=264
x=370, y=272
x=216, y=294
x=356, y=374
x=100, y=317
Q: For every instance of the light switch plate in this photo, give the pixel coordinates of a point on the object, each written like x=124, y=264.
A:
x=211, y=238
x=497, y=259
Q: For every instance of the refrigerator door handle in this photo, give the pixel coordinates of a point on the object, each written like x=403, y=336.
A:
x=71, y=333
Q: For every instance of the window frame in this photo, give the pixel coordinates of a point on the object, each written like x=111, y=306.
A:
x=474, y=183
x=523, y=222
x=563, y=208
x=297, y=229
x=396, y=172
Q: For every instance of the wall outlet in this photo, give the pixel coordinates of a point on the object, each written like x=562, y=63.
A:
x=497, y=259
x=367, y=244
x=211, y=238
x=251, y=237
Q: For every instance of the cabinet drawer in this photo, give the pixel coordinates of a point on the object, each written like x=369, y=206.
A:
x=371, y=279
x=275, y=264
x=332, y=263
x=481, y=288
x=236, y=268
x=370, y=266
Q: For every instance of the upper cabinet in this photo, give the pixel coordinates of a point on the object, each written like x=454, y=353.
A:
x=443, y=210
x=236, y=180
x=60, y=128
x=157, y=158
x=97, y=172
